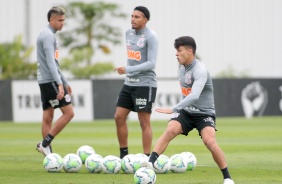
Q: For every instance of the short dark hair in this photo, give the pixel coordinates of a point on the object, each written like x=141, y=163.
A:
x=55, y=10
x=186, y=41
x=144, y=10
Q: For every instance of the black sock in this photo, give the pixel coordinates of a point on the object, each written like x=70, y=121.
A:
x=225, y=173
x=154, y=156
x=123, y=152
x=48, y=139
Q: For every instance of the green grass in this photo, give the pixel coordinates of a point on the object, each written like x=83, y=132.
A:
x=253, y=149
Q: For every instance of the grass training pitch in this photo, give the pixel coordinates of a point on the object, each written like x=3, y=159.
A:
x=253, y=149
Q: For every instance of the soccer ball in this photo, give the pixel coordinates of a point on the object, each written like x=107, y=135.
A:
x=53, y=162
x=84, y=151
x=178, y=164
x=94, y=163
x=162, y=165
x=142, y=156
x=190, y=159
x=145, y=176
x=72, y=163
x=127, y=164
x=111, y=164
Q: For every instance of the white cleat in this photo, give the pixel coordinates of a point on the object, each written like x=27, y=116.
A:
x=43, y=150
x=228, y=181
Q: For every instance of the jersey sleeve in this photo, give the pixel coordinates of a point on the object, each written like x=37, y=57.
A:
x=49, y=48
x=201, y=77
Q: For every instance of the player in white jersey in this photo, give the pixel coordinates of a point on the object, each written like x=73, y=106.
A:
x=196, y=109
x=139, y=90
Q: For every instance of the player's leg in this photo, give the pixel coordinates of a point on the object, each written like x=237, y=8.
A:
x=173, y=129
x=123, y=107
x=48, y=115
x=181, y=123
x=122, y=130
x=67, y=115
x=147, y=133
x=144, y=98
x=208, y=137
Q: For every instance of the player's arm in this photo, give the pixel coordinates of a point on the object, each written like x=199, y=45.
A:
x=48, y=45
x=197, y=88
x=152, y=52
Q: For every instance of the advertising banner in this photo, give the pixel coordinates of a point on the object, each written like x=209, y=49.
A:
x=27, y=104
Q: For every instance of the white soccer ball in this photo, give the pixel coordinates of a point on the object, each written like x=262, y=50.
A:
x=145, y=176
x=127, y=164
x=142, y=156
x=94, y=163
x=190, y=159
x=111, y=164
x=162, y=164
x=84, y=151
x=178, y=164
x=72, y=163
x=53, y=162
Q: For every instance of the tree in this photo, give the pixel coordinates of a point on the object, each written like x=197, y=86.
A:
x=88, y=33
x=14, y=60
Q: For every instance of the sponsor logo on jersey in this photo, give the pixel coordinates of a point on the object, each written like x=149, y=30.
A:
x=57, y=54
x=140, y=42
x=186, y=91
x=135, y=80
x=134, y=55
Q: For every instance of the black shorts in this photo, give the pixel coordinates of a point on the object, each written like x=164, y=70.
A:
x=189, y=122
x=137, y=98
x=49, y=92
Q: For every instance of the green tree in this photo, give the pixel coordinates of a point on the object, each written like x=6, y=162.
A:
x=14, y=60
x=88, y=33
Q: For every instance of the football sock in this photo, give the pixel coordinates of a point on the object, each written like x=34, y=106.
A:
x=48, y=139
x=148, y=154
x=154, y=156
x=225, y=173
x=123, y=152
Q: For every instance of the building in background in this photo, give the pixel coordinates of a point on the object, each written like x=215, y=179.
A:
x=235, y=36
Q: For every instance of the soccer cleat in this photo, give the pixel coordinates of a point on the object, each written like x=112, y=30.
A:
x=228, y=181
x=43, y=150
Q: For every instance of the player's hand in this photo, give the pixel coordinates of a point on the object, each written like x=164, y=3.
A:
x=120, y=70
x=165, y=111
x=69, y=90
x=61, y=93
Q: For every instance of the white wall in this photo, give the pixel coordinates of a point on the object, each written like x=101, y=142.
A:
x=242, y=34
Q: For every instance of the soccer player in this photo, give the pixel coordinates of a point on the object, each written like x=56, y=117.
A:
x=195, y=110
x=139, y=90
x=54, y=88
